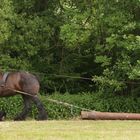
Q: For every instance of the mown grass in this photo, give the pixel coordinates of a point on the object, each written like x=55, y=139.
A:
x=70, y=130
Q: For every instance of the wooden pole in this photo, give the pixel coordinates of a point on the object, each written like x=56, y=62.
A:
x=93, y=115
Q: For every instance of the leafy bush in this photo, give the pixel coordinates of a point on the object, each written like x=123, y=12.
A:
x=93, y=101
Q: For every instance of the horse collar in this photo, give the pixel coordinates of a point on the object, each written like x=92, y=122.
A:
x=4, y=78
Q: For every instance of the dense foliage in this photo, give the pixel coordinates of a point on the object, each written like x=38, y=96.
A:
x=97, y=39
x=98, y=102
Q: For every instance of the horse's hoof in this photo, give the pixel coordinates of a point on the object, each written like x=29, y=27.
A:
x=19, y=119
x=2, y=115
x=42, y=118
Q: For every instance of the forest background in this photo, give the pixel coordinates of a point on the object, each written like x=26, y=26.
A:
x=98, y=40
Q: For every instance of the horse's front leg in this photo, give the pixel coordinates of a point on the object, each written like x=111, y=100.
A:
x=26, y=109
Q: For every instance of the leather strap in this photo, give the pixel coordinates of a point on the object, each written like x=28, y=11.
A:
x=4, y=78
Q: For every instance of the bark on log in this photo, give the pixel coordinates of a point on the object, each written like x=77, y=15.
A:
x=109, y=116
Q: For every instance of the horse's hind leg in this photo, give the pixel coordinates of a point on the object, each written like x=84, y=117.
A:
x=26, y=108
x=41, y=110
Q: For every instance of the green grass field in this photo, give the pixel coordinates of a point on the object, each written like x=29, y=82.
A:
x=70, y=130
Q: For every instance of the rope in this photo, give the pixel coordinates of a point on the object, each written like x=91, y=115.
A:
x=56, y=75
x=72, y=77
x=75, y=77
x=67, y=104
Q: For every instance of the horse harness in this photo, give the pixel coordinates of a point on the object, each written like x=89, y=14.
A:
x=4, y=78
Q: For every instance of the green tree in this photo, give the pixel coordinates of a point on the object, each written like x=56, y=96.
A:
x=88, y=38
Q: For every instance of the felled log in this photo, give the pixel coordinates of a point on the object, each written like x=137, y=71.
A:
x=93, y=115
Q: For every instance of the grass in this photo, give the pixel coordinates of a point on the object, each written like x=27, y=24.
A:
x=70, y=130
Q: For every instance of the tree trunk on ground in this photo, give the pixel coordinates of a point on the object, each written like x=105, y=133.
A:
x=109, y=116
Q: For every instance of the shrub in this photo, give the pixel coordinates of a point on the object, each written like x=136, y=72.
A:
x=93, y=101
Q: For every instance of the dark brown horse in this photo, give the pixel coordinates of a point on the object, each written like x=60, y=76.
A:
x=25, y=82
